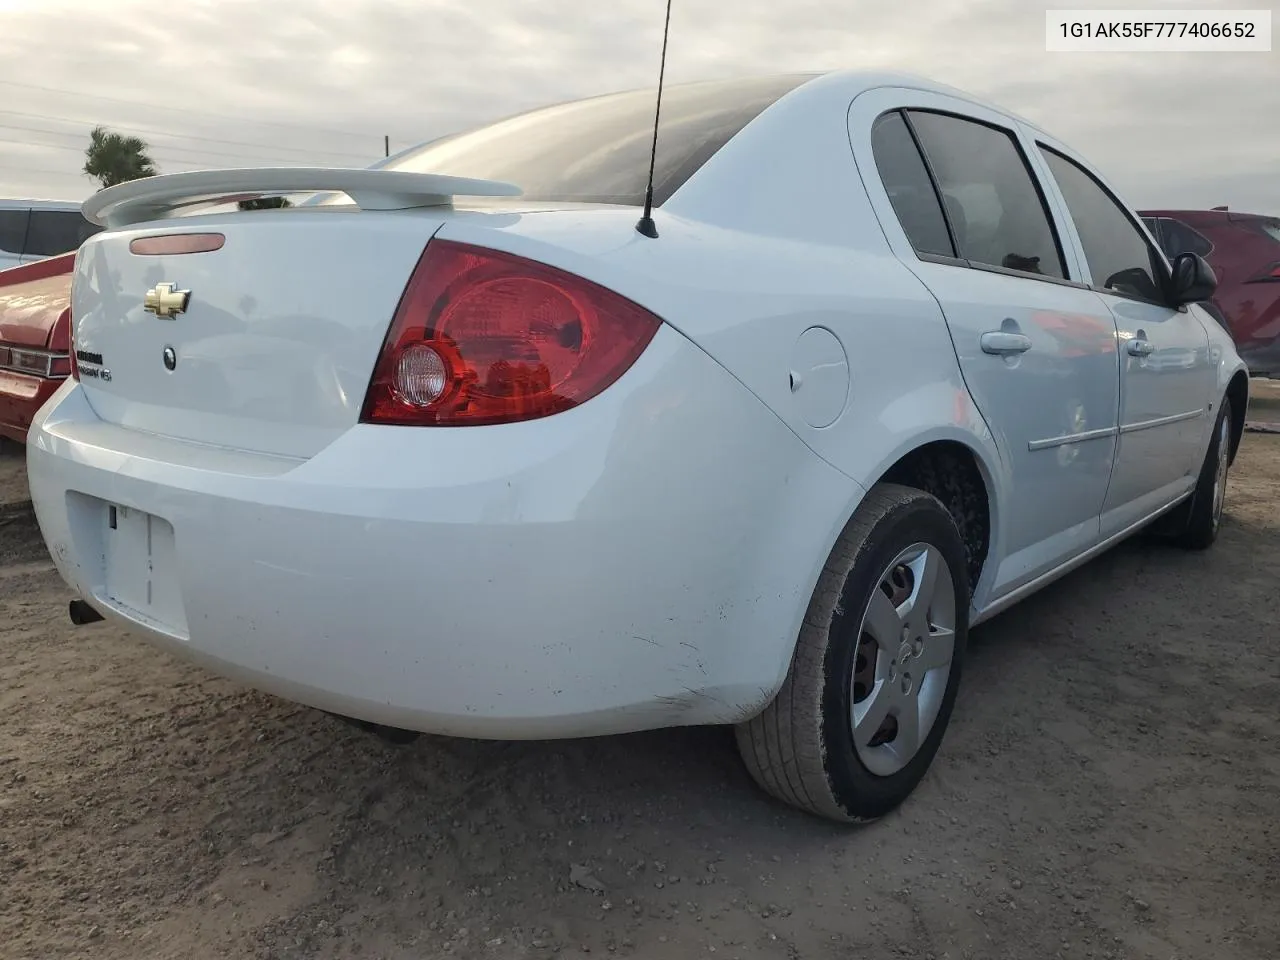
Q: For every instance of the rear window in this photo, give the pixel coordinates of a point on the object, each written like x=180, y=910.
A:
x=13, y=230
x=597, y=150
x=1179, y=238
x=1271, y=228
x=57, y=231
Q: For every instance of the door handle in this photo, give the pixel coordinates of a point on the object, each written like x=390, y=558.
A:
x=1140, y=348
x=1002, y=343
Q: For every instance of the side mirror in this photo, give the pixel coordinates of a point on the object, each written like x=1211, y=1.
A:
x=1193, y=279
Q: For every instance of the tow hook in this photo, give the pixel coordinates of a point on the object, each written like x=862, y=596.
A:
x=82, y=613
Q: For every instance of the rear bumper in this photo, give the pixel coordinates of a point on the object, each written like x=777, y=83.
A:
x=21, y=397
x=641, y=561
x=1262, y=357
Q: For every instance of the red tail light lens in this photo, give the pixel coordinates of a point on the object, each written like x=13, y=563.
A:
x=63, y=362
x=1270, y=273
x=63, y=339
x=60, y=335
x=483, y=337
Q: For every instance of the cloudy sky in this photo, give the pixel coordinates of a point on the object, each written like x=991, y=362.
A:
x=234, y=83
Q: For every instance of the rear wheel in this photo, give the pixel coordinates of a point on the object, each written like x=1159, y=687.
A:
x=876, y=668
x=1201, y=518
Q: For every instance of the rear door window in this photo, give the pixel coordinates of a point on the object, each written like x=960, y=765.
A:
x=906, y=180
x=13, y=229
x=993, y=203
x=57, y=231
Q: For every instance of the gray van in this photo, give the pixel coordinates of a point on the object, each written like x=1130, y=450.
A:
x=35, y=229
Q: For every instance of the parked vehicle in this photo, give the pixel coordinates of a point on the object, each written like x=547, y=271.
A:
x=35, y=329
x=445, y=459
x=35, y=229
x=1244, y=251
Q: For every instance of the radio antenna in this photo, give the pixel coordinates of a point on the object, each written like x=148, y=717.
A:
x=646, y=225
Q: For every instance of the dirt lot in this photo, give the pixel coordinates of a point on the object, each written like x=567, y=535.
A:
x=1110, y=787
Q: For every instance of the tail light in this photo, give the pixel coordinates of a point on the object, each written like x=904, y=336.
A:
x=52, y=361
x=64, y=338
x=1270, y=273
x=63, y=360
x=483, y=337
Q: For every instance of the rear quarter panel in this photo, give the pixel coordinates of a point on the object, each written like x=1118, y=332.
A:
x=767, y=259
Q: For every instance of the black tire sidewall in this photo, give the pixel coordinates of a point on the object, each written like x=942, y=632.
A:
x=862, y=794
x=1200, y=530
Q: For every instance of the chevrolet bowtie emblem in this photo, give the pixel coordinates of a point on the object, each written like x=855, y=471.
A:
x=164, y=301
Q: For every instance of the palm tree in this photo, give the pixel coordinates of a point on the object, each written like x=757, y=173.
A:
x=113, y=158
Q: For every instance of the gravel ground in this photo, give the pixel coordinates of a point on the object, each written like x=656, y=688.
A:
x=1110, y=788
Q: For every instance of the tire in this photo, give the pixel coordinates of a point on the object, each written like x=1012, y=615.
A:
x=802, y=748
x=1201, y=518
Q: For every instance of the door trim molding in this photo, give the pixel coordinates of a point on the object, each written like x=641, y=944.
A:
x=1161, y=421
x=1049, y=443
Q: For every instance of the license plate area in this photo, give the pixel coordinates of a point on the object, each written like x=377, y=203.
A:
x=140, y=567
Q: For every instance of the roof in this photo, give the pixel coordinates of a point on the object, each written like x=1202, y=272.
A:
x=11, y=202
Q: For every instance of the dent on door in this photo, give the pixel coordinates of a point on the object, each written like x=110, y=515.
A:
x=1089, y=344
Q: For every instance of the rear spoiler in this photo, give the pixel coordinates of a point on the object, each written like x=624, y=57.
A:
x=154, y=198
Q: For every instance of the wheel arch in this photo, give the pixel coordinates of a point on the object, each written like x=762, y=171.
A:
x=974, y=455
x=921, y=463
x=958, y=475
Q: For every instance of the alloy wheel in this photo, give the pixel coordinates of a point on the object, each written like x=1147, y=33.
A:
x=905, y=647
x=1220, y=475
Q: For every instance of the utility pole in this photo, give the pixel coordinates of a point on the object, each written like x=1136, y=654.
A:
x=386, y=145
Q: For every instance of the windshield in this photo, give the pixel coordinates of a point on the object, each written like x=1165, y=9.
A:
x=597, y=150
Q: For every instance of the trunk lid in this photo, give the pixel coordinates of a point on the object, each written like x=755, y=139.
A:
x=251, y=330
x=280, y=332
x=255, y=330
x=32, y=297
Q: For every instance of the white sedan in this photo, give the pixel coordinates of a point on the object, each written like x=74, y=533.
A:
x=457, y=448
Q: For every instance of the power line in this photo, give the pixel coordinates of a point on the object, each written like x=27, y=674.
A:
x=46, y=172
x=185, y=110
x=79, y=175
x=186, y=136
x=167, y=148
x=166, y=161
x=154, y=155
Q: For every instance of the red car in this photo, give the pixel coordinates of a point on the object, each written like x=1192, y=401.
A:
x=1244, y=251
x=35, y=336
